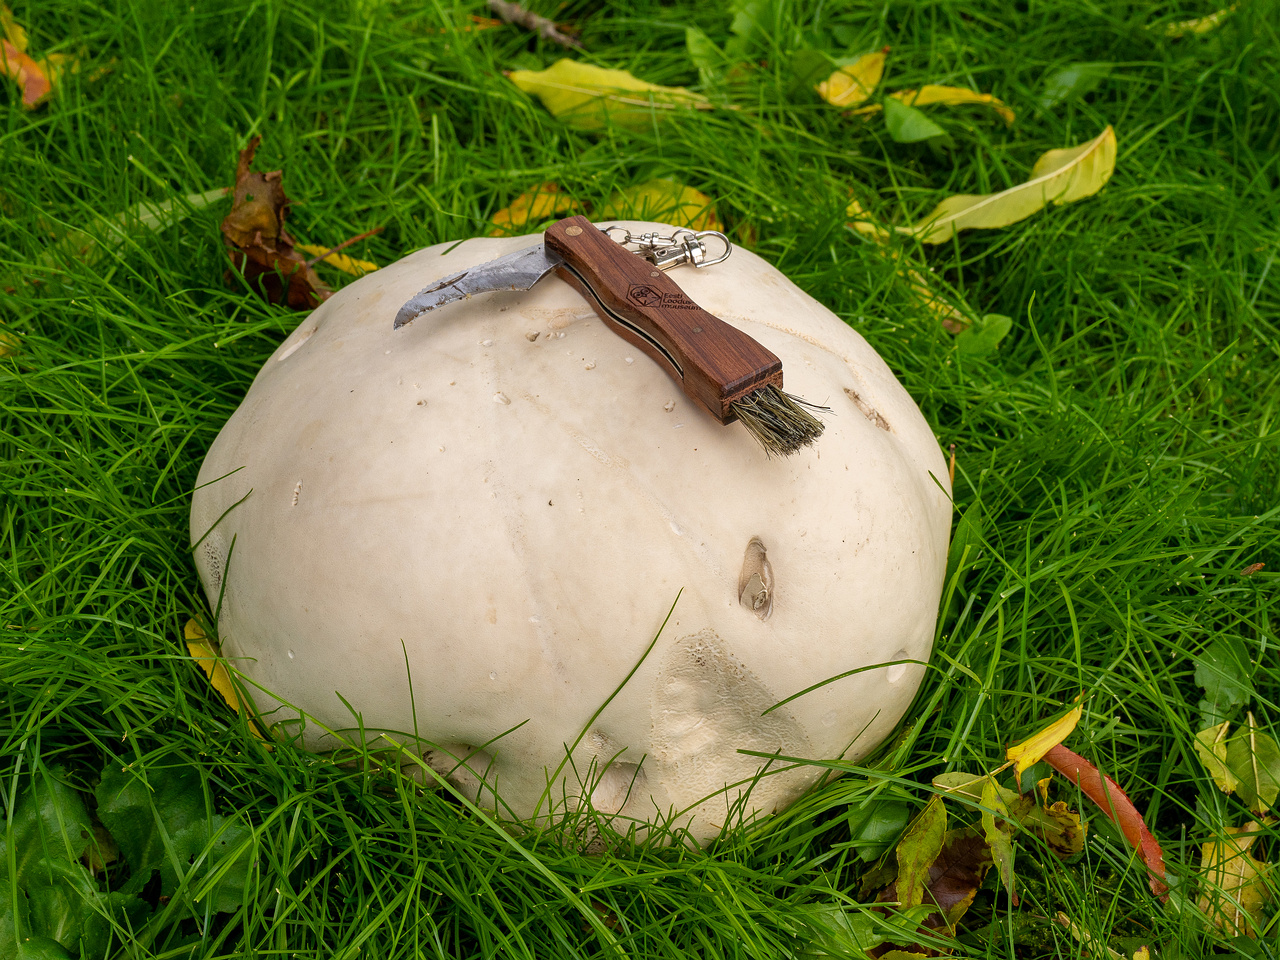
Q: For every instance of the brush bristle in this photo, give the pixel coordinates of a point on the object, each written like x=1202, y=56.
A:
x=779, y=422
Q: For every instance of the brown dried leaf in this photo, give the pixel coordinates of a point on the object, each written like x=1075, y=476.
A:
x=953, y=878
x=259, y=244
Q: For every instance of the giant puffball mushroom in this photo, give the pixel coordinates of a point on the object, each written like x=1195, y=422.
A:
x=500, y=503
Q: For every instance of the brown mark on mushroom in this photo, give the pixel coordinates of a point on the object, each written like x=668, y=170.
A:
x=707, y=707
x=755, y=582
x=868, y=411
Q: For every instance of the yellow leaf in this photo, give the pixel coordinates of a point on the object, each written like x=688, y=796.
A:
x=205, y=653
x=13, y=32
x=1234, y=888
x=341, y=261
x=851, y=85
x=1142, y=953
x=543, y=202
x=589, y=97
x=952, y=96
x=1211, y=747
x=1059, y=176
x=8, y=344
x=1186, y=28
x=663, y=200
x=1030, y=750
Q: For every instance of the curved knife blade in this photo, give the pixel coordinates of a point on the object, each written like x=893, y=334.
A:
x=516, y=271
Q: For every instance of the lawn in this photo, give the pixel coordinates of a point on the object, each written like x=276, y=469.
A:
x=1117, y=461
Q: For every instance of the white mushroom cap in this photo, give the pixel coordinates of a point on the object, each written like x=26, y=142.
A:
x=503, y=499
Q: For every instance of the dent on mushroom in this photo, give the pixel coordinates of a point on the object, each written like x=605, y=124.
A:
x=868, y=411
x=755, y=581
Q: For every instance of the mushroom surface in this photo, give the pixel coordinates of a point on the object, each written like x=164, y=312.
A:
x=500, y=502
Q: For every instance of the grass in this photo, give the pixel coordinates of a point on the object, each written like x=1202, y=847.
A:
x=1120, y=446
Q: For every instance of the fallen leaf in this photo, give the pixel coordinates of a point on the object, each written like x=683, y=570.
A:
x=997, y=836
x=1199, y=25
x=202, y=651
x=205, y=653
x=546, y=201
x=1211, y=747
x=1223, y=670
x=1087, y=940
x=339, y=261
x=590, y=98
x=853, y=84
x=1060, y=828
x=917, y=851
x=259, y=244
x=960, y=784
x=909, y=125
x=983, y=338
x=1118, y=808
x=27, y=73
x=1030, y=751
x=1253, y=758
x=1234, y=886
x=932, y=93
x=36, y=77
x=665, y=201
x=1059, y=176
x=1071, y=81
x=952, y=880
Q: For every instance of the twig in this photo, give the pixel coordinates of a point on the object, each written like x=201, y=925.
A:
x=546, y=29
x=343, y=245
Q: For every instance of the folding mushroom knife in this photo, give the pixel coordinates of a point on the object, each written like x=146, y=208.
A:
x=725, y=370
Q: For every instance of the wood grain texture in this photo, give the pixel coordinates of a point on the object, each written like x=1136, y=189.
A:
x=715, y=363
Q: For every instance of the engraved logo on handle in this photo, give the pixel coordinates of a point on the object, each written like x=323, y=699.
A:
x=646, y=296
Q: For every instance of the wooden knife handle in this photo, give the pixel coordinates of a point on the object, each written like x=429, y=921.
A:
x=715, y=363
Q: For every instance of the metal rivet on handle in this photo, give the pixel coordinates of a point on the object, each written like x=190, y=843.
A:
x=572, y=231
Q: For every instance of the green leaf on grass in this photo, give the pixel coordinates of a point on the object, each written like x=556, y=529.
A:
x=917, y=850
x=140, y=812
x=997, y=835
x=49, y=822
x=1253, y=758
x=1222, y=671
x=1211, y=747
x=983, y=337
x=60, y=899
x=704, y=53
x=873, y=828
x=909, y=125
x=1072, y=81
x=214, y=856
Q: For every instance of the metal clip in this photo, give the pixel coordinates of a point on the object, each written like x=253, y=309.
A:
x=683, y=246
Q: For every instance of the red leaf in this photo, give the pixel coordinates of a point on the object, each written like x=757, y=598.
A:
x=1111, y=800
